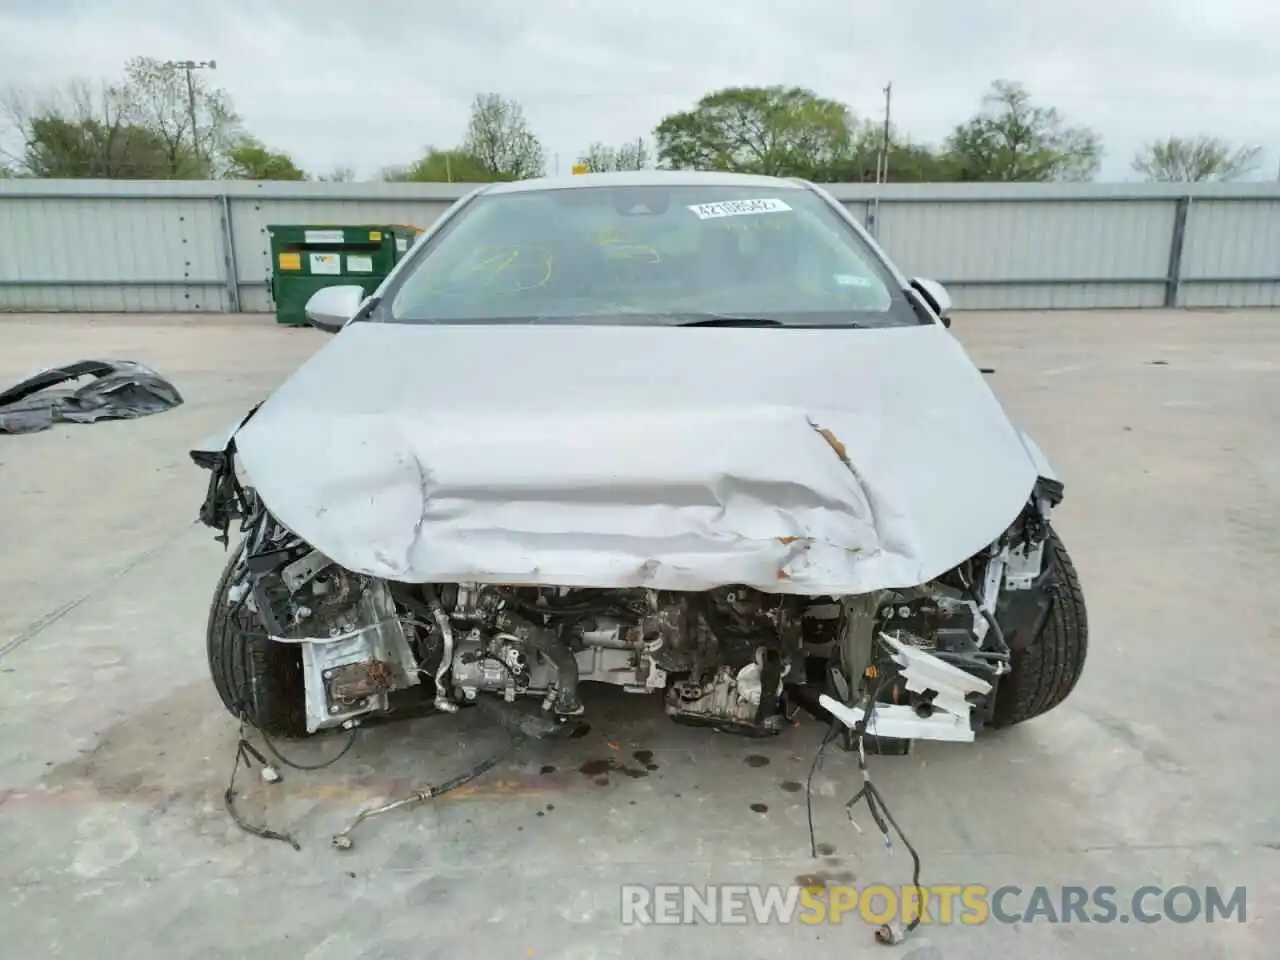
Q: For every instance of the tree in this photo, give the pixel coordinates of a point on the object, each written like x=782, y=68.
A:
x=1195, y=159
x=159, y=94
x=250, y=160
x=783, y=131
x=137, y=128
x=1012, y=139
x=62, y=148
x=600, y=158
x=499, y=138
x=442, y=166
x=84, y=130
x=338, y=175
x=908, y=162
x=140, y=127
x=917, y=163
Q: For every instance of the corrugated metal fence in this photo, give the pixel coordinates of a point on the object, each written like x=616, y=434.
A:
x=192, y=246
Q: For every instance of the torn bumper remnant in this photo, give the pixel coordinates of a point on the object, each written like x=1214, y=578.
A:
x=120, y=390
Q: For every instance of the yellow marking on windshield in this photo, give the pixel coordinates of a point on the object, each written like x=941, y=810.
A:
x=498, y=268
x=494, y=264
x=619, y=247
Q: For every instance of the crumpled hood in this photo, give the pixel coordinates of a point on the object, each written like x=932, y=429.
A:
x=790, y=460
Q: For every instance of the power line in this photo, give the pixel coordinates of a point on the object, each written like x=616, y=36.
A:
x=187, y=66
x=882, y=162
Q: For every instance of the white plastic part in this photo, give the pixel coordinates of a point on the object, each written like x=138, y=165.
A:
x=921, y=671
x=903, y=723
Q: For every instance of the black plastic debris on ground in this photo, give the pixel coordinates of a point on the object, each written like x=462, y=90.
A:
x=120, y=390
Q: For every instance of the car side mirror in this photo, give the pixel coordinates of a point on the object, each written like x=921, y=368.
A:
x=330, y=308
x=936, y=296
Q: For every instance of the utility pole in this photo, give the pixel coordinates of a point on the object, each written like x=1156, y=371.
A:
x=882, y=162
x=188, y=66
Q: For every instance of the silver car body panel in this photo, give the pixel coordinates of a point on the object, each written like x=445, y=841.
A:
x=1043, y=467
x=800, y=461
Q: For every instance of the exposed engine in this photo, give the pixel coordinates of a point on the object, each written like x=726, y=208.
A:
x=715, y=653
x=724, y=657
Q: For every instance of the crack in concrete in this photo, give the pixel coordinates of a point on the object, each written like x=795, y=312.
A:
x=39, y=625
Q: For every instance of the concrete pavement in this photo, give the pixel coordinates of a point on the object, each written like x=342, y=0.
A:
x=1161, y=769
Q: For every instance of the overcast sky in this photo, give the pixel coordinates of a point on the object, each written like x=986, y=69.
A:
x=368, y=83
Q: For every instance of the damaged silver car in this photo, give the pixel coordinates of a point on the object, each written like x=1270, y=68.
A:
x=690, y=434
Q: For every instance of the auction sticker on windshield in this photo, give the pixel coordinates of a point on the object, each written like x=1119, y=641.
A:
x=737, y=208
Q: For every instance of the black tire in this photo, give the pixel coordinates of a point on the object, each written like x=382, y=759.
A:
x=240, y=653
x=1045, y=672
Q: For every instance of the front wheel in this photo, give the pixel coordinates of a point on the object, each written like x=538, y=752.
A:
x=254, y=675
x=1045, y=671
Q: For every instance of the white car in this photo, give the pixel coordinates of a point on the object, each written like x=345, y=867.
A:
x=688, y=433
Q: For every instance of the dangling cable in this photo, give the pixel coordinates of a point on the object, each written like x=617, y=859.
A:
x=832, y=732
x=886, y=933
x=246, y=752
x=343, y=840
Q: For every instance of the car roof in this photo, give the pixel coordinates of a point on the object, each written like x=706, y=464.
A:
x=646, y=178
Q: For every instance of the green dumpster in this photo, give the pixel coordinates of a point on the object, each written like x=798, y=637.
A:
x=306, y=258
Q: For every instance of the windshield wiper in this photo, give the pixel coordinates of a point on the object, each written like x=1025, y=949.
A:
x=721, y=320
x=715, y=320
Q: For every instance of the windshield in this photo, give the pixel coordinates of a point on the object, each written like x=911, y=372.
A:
x=650, y=254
